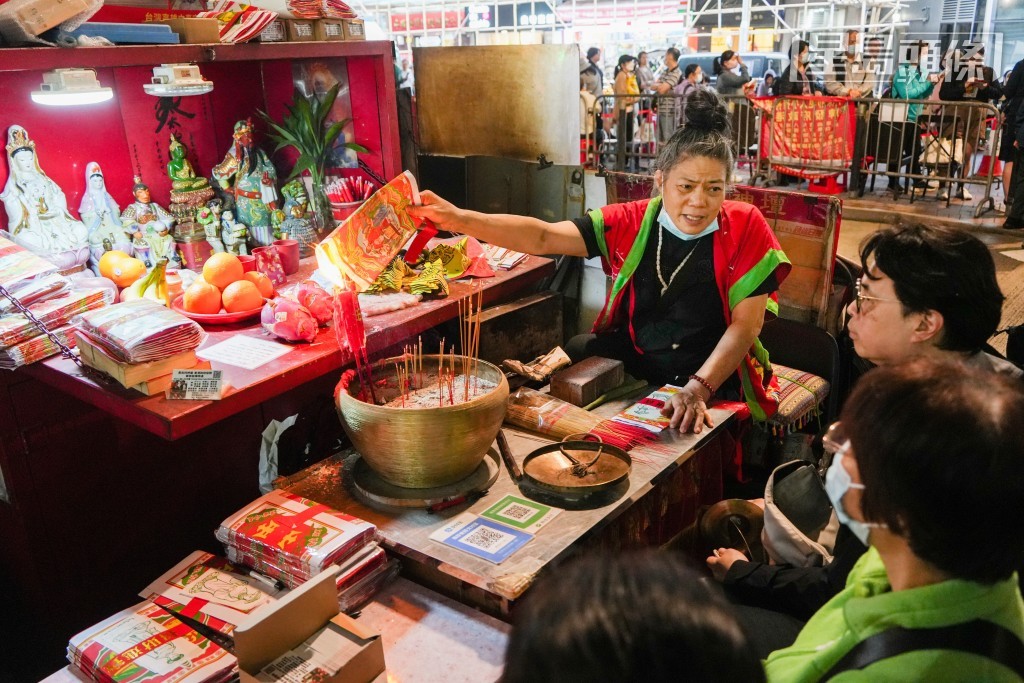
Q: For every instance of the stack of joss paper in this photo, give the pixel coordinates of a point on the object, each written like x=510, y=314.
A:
x=50, y=297
x=291, y=539
x=139, y=331
x=146, y=642
x=210, y=592
x=336, y=9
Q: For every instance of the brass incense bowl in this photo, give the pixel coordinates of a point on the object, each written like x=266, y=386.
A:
x=423, y=447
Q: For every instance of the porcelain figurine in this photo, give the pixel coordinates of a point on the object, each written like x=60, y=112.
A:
x=37, y=210
x=233, y=235
x=149, y=225
x=251, y=180
x=297, y=224
x=210, y=221
x=102, y=217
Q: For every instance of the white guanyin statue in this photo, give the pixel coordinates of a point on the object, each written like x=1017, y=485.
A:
x=37, y=210
x=102, y=217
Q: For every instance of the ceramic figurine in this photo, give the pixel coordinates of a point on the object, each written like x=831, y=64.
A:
x=102, y=217
x=188, y=192
x=37, y=210
x=252, y=182
x=149, y=225
x=211, y=226
x=233, y=235
x=297, y=224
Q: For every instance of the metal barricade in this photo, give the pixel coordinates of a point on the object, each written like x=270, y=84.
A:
x=928, y=144
x=625, y=132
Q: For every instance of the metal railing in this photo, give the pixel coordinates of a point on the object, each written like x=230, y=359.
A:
x=929, y=144
x=626, y=132
x=933, y=152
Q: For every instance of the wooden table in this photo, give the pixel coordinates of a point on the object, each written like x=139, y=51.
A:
x=106, y=488
x=427, y=638
x=175, y=419
x=667, y=484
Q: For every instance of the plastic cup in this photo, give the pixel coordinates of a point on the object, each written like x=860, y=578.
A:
x=344, y=210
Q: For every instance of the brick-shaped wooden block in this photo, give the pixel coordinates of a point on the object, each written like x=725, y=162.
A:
x=582, y=383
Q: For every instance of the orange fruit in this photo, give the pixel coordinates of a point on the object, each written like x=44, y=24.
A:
x=109, y=260
x=262, y=283
x=201, y=297
x=220, y=270
x=127, y=270
x=241, y=296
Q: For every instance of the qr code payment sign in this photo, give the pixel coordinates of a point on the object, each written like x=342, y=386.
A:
x=488, y=539
x=519, y=513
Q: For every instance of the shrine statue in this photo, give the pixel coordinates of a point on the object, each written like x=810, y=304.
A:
x=37, y=210
x=251, y=180
x=210, y=220
x=149, y=226
x=233, y=235
x=297, y=224
x=101, y=216
x=188, y=191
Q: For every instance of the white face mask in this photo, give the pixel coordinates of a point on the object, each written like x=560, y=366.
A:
x=805, y=60
x=665, y=221
x=837, y=483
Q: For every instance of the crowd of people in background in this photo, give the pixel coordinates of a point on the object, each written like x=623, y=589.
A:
x=650, y=100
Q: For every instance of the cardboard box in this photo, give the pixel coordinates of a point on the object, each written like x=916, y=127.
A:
x=275, y=32
x=275, y=629
x=41, y=15
x=330, y=29
x=355, y=29
x=195, y=31
x=300, y=30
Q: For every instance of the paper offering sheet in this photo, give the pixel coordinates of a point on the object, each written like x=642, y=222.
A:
x=206, y=585
x=362, y=247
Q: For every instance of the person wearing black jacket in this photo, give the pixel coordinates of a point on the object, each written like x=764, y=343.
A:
x=797, y=78
x=1013, y=92
x=1015, y=211
x=975, y=83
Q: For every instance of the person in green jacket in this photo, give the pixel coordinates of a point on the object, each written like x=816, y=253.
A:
x=910, y=83
x=929, y=471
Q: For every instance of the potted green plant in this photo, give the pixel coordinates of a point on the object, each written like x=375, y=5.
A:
x=305, y=129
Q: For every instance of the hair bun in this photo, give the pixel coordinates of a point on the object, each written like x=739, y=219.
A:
x=705, y=111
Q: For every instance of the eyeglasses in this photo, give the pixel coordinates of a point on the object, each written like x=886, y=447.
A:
x=861, y=297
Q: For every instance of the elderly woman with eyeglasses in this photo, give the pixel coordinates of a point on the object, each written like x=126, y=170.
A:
x=925, y=291
x=930, y=475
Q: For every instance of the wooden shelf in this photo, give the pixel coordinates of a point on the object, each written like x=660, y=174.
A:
x=46, y=58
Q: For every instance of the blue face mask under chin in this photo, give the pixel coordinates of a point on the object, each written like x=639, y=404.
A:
x=837, y=483
x=665, y=221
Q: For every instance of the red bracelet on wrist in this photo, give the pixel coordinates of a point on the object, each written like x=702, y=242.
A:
x=703, y=382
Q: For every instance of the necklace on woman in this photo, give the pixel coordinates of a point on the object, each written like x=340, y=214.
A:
x=657, y=264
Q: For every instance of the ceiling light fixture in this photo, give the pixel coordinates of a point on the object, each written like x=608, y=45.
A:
x=177, y=80
x=64, y=87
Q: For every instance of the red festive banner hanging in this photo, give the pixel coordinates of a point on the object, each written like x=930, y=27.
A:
x=814, y=132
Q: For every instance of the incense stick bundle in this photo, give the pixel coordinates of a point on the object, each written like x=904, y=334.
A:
x=558, y=419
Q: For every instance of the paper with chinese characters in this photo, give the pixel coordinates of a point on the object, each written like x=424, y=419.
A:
x=362, y=247
x=147, y=643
